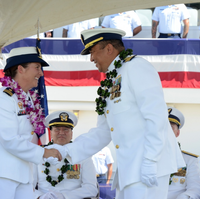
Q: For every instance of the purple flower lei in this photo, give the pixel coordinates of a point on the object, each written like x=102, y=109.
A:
x=35, y=113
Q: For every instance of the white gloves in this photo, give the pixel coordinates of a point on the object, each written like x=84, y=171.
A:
x=62, y=151
x=149, y=172
x=183, y=196
x=47, y=196
x=58, y=195
x=51, y=160
x=52, y=195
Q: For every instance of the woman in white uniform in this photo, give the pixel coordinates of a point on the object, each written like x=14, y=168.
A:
x=21, y=116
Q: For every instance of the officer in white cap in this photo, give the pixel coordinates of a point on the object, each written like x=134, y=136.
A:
x=63, y=180
x=184, y=184
x=133, y=114
x=21, y=118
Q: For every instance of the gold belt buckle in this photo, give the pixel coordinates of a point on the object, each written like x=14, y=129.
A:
x=169, y=34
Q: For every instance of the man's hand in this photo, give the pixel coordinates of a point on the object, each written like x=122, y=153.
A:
x=148, y=173
x=52, y=153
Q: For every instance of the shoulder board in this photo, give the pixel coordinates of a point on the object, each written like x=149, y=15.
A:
x=191, y=154
x=129, y=58
x=9, y=91
x=44, y=145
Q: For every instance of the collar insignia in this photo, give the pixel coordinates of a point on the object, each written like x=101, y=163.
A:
x=20, y=105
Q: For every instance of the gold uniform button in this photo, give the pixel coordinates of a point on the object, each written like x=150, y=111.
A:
x=112, y=129
x=107, y=111
x=32, y=132
x=117, y=146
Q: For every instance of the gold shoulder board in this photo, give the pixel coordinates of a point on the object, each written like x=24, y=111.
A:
x=9, y=91
x=191, y=154
x=44, y=145
x=129, y=58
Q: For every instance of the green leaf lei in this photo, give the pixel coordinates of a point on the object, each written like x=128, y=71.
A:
x=103, y=90
x=63, y=170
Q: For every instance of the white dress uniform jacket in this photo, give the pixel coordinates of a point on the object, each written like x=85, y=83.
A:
x=85, y=186
x=137, y=122
x=16, y=150
x=188, y=185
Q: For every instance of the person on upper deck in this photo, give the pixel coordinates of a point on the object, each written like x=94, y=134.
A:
x=169, y=19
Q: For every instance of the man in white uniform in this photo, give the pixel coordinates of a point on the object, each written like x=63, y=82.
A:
x=169, y=19
x=133, y=114
x=74, y=30
x=65, y=181
x=127, y=21
x=185, y=184
x=103, y=161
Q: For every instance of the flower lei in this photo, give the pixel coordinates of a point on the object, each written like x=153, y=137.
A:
x=107, y=83
x=35, y=113
x=63, y=170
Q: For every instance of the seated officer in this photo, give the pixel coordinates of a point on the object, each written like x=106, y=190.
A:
x=185, y=183
x=60, y=180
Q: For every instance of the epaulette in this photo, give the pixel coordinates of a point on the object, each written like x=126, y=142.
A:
x=191, y=154
x=9, y=91
x=129, y=58
x=44, y=145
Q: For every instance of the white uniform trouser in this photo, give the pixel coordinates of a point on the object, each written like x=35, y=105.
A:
x=10, y=189
x=141, y=191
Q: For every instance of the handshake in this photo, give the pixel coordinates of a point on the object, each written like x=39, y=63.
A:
x=52, y=195
x=54, y=153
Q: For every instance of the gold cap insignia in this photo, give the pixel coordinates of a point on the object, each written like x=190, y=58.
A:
x=64, y=116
